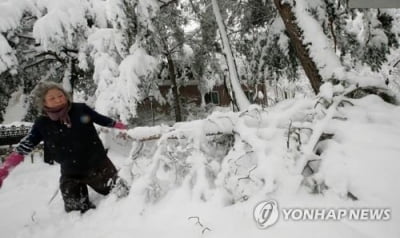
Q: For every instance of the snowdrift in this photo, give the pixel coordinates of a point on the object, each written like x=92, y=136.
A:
x=204, y=178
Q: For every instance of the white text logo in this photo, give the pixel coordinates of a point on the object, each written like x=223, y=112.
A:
x=267, y=213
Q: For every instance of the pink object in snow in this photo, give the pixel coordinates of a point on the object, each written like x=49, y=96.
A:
x=120, y=125
x=3, y=175
x=11, y=161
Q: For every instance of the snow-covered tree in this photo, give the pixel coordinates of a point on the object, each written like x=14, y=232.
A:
x=73, y=41
x=237, y=91
x=321, y=31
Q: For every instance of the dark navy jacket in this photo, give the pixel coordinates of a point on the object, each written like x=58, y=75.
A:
x=78, y=148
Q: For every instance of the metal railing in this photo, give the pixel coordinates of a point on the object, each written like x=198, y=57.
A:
x=10, y=135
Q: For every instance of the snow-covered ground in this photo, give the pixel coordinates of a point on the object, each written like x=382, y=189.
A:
x=362, y=158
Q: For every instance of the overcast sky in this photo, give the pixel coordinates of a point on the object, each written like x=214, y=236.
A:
x=374, y=3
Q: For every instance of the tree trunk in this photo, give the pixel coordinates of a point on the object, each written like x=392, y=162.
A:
x=295, y=35
x=266, y=92
x=228, y=92
x=74, y=75
x=172, y=76
x=238, y=93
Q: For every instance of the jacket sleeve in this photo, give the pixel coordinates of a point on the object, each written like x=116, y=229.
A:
x=98, y=118
x=28, y=143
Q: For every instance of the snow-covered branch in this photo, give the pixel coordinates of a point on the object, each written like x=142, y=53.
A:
x=211, y=126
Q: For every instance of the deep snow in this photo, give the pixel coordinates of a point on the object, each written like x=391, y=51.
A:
x=363, y=157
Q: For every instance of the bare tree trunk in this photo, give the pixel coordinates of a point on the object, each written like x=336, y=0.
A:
x=295, y=35
x=234, y=104
x=172, y=76
x=276, y=92
x=74, y=75
x=266, y=92
x=238, y=93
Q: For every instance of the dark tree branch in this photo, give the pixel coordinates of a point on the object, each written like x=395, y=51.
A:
x=165, y=4
x=200, y=224
x=52, y=54
x=67, y=50
x=396, y=63
x=39, y=62
x=331, y=26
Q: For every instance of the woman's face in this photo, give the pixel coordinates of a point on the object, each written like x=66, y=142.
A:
x=54, y=98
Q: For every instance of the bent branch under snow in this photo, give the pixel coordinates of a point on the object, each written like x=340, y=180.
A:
x=210, y=127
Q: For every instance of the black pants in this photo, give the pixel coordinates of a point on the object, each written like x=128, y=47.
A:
x=74, y=189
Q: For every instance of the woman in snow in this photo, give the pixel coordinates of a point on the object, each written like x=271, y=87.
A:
x=71, y=139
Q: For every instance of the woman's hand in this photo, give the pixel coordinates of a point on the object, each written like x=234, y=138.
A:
x=120, y=125
x=11, y=161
